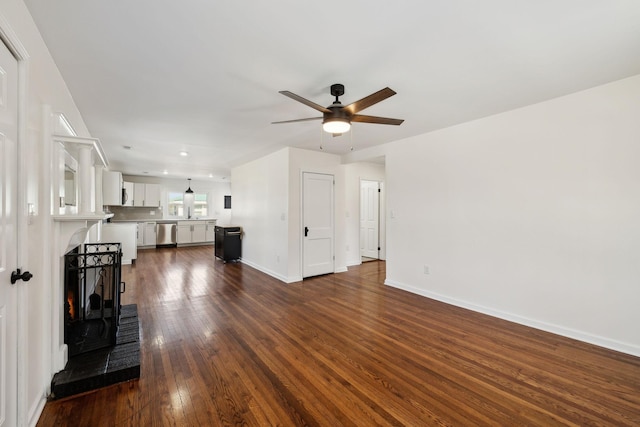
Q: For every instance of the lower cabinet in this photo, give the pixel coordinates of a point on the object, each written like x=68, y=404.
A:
x=210, y=232
x=183, y=233
x=194, y=232
x=123, y=233
x=140, y=234
x=146, y=234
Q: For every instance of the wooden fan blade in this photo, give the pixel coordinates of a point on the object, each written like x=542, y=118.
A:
x=373, y=119
x=305, y=101
x=297, y=120
x=368, y=101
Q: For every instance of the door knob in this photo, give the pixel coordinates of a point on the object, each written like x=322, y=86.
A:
x=17, y=275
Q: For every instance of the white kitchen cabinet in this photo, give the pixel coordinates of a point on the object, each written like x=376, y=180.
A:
x=140, y=234
x=111, y=188
x=146, y=194
x=150, y=233
x=128, y=190
x=138, y=194
x=146, y=233
x=183, y=233
x=210, y=233
x=125, y=234
x=198, y=233
x=195, y=232
x=152, y=195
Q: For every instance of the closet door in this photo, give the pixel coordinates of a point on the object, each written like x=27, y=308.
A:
x=317, y=233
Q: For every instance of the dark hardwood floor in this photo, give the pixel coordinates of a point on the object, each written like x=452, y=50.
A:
x=223, y=344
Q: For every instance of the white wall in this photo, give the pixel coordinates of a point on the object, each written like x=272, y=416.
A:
x=354, y=174
x=532, y=215
x=260, y=207
x=43, y=85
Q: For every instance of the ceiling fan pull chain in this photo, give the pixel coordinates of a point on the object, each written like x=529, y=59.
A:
x=351, y=136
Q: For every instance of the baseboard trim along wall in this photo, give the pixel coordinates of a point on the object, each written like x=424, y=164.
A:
x=280, y=277
x=543, y=326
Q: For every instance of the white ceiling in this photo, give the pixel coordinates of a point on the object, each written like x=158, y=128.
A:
x=203, y=76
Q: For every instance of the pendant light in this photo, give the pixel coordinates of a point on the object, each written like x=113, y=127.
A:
x=189, y=190
x=188, y=201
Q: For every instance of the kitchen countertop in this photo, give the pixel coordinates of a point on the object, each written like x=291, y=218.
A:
x=162, y=221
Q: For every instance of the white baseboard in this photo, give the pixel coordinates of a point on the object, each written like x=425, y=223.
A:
x=35, y=411
x=631, y=349
x=271, y=273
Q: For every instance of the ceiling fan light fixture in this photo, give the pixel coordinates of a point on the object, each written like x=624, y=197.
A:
x=336, y=125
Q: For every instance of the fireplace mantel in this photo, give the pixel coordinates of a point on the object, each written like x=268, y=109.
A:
x=73, y=228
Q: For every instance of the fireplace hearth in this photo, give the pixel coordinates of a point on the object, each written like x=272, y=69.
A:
x=106, y=366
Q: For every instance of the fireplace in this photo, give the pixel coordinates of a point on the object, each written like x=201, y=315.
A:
x=92, y=291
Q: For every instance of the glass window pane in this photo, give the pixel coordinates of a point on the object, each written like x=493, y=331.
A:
x=175, y=204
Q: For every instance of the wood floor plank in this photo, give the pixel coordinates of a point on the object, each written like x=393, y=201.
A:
x=224, y=344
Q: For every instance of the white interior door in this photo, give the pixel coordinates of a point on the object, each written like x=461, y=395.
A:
x=369, y=218
x=8, y=237
x=317, y=224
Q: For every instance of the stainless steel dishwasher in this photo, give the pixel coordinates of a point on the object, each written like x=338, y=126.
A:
x=166, y=234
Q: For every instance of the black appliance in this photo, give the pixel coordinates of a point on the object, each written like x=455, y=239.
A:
x=125, y=196
x=228, y=243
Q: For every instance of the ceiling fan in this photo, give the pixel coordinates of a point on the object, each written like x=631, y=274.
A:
x=337, y=118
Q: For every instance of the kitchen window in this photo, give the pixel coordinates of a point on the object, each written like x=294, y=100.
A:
x=176, y=205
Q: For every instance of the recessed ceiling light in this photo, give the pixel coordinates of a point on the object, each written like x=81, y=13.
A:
x=210, y=175
x=184, y=153
x=165, y=172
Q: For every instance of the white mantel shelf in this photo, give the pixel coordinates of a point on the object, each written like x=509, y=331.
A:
x=71, y=230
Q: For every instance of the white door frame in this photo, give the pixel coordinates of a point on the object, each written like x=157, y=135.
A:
x=11, y=40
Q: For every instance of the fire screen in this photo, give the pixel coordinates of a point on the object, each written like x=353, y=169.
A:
x=92, y=296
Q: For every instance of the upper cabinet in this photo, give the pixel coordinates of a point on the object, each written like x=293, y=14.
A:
x=127, y=198
x=138, y=194
x=112, y=188
x=152, y=195
x=146, y=195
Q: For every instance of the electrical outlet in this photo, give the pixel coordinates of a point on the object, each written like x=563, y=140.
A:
x=152, y=213
x=426, y=269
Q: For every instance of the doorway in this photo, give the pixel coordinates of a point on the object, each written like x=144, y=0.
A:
x=369, y=220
